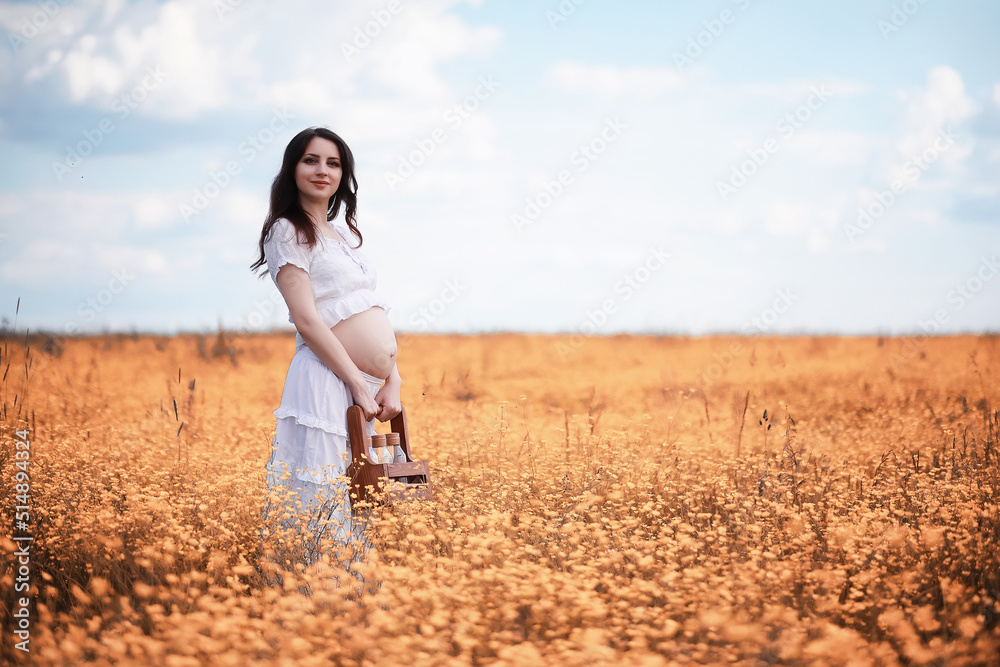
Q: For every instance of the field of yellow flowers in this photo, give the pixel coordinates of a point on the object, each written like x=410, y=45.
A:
x=605, y=500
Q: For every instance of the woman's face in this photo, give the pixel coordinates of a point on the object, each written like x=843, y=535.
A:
x=318, y=171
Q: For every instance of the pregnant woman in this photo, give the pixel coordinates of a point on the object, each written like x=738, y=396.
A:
x=345, y=349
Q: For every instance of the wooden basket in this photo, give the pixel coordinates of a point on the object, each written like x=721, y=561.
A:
x=384, y=482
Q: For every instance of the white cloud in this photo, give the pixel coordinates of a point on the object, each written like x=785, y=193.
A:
x=70, y=213
x=244, y=210
x=197, y=71
x=385, y=120
x=928, y=153
x=80, y=237
x=795, y=92
x=98, y=51
x=389, y=87
x=103, y=51
x=927, y=216
x=788, y=217
x=407, y=65
x=479, y=136
x=50, y=261
x=942, y=104
x=726, y=221
x=132, y=259
x=814, y=220
x=43, y=261
x=834, y=147
x=111, y=9
x=307, y=96
x=610, y=81
x=90, y=74
x=723, y=220
x=41, y=70
x=817, y=241
x=866, y=245
x=152, y=212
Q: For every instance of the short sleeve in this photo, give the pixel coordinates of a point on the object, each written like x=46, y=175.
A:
x=282, y=247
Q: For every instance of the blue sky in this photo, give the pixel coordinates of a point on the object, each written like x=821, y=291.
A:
x=589, y=167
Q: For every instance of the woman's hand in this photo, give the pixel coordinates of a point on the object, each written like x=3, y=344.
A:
x=363, y=399
x=388, y=399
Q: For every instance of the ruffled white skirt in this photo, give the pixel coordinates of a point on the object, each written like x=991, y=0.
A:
x=310, y=439
x=310, y=455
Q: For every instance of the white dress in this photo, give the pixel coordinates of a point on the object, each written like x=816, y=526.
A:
x=310, y=453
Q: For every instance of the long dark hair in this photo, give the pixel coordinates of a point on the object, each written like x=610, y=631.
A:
x=285, y=193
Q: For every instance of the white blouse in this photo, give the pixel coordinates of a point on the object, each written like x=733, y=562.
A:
x=342, y=280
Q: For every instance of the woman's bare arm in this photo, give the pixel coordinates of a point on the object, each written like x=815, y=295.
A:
x=388, y=397
x=293, y=283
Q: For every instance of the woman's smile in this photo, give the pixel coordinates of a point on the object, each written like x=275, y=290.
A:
x=321, y=168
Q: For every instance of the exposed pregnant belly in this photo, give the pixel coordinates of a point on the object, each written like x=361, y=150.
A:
x=369, y=340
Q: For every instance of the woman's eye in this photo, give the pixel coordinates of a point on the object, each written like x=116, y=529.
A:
x=309, y=160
